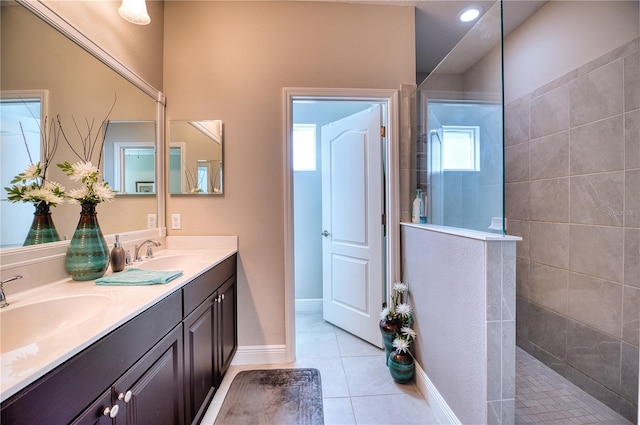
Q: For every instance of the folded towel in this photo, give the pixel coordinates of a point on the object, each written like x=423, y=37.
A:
x=135, y=276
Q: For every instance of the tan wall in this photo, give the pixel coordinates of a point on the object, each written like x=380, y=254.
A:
x=230, y=61
x=139, y=47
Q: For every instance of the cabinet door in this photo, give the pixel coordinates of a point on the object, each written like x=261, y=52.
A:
x=198, y=359
x=151, y=391
x=99, y=413
x=227, y=329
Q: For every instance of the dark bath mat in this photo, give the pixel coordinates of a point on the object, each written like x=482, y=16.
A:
x=273, y=397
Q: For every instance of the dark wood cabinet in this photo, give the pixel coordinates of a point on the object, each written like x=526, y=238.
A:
x=150, y=392
x=100, y=412
x=200, y=383
x=161, y=367
x=226, y=320
x=210, y=336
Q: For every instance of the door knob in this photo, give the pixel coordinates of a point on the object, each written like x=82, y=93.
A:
x=325, y=233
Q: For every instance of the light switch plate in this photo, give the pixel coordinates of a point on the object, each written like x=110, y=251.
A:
x=176, y=222
x=152, y=221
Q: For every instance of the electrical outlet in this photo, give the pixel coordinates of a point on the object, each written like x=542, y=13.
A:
x=152, y=221
x=176, y=222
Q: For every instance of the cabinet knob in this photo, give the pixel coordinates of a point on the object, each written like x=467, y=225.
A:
x=111, y=411
x=126, y=397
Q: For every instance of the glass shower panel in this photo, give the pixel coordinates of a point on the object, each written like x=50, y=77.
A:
x=461, y=132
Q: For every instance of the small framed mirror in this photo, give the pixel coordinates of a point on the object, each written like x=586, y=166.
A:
x=195, y=157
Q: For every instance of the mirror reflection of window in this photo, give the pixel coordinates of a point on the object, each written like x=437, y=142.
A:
x=175, y=169
x=203, y=176
x=20, y=116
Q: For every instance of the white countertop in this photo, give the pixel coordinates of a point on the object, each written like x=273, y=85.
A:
x=26, y=364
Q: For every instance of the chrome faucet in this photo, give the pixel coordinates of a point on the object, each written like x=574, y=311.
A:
x=136, y=254
x=3, y=299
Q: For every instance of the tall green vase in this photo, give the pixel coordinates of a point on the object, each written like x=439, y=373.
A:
x=389, y=329
x=88, y=254
x=42, y=229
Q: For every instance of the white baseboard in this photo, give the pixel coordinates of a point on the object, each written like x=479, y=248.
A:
x=260, y=354
x=310, y=305
x=434, y=399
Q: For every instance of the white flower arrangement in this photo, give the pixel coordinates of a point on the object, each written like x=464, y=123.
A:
x=404, y=339
x=398, y=308
x=31, y=186
x=400, y=311
x=94, y=191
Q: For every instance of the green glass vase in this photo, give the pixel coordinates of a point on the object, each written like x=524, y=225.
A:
x=401, y=367
x=88, y=254
x=42, y=229
x=389, y=329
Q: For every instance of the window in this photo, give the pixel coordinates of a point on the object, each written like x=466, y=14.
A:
x=304, y=147
x=460, y=148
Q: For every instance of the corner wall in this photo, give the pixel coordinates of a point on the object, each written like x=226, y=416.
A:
x=462, y=290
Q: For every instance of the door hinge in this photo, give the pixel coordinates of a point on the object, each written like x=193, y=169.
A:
x=384, y=219
x=383, y=131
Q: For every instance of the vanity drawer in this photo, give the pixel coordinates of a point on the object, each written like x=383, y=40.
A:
x=198, y=290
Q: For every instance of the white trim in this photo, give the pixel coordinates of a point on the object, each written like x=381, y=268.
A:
x=463, y=233
x=434, y=399
x=390, y=98
x=260, y=354
x=26, y=256
x=59, y=23
x=311, y=305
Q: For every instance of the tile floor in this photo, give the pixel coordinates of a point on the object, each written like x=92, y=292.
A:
x=543, y=397
x=356, y=385
x=357, y=388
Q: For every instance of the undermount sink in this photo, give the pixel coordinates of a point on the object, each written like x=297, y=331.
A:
x=21, y=325
x=174, y=262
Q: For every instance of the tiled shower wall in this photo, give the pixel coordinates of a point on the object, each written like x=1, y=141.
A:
x=572, y=173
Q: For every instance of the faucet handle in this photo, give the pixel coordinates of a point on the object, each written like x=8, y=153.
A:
x=11, y=279
x=149, y=251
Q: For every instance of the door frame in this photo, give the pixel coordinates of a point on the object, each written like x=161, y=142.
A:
x=389, y=97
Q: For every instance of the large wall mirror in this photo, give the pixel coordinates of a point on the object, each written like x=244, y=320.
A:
x=195, y=157
x=39, y=62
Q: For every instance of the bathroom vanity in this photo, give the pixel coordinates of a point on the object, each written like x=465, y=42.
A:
x=160, y=364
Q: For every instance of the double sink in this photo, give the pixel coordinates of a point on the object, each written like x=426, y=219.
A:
x=42, y=328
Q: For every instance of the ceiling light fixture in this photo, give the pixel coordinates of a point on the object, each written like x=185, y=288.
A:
x=134, y=11
x=470, y=14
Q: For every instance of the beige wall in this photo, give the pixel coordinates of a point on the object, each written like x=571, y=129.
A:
x=230, y=61
x=137, y=46
x=561, y=37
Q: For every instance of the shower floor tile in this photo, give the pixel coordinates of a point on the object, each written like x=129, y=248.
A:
x=543, y=397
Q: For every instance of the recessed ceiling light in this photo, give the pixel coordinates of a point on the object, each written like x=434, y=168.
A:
x=470, y=14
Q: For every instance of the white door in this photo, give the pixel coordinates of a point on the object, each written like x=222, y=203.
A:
x=352, y=207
